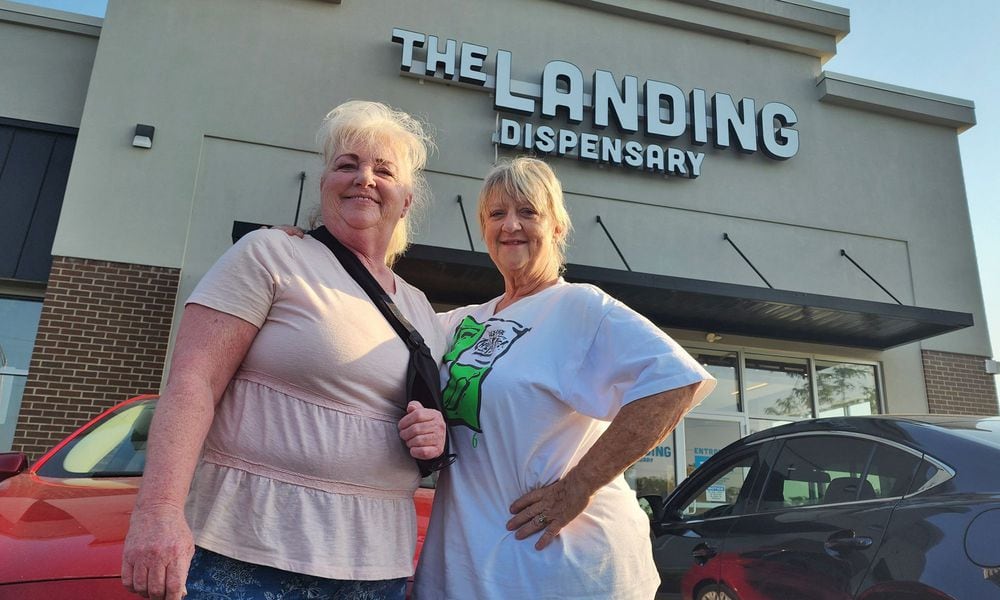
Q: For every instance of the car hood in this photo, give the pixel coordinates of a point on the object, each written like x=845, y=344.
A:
x=63, y=528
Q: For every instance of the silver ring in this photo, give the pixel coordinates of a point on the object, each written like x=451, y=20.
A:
x=541, y=520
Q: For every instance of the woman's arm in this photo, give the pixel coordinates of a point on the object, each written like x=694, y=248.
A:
x=638, y=428
x=210, y=347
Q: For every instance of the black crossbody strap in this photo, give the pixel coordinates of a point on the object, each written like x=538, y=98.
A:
x=422, y=379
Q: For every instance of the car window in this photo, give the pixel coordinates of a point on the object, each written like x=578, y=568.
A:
x=718, y=497
x=115, y=446
x=806, y=467
x=830, y=469
x=891, y=472
x=927, y=476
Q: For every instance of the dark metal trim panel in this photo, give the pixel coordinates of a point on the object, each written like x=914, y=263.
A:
x=38, y=126
x=35, y=160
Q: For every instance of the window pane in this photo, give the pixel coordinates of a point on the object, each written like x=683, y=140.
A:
x=11, y=391
x=817, y=470
x=846, y=389
x=926, y=472
x=724, y=367
x=762, y=424
x=892, y=471
x=705, y=438
x=18, y=326
x=718, y=497
x=654, y=474
x=777, y=387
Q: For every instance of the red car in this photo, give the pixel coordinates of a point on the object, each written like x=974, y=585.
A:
x=63, y=521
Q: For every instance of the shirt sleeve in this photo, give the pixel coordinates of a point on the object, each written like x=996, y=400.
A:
x=445, y=321
x=631, y=358
x=247, y=279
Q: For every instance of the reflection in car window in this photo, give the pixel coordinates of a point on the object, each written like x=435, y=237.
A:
x=928, y=475
x=807, y=467
x=718, y=497
x=891, y=471
x=112, y=447
x=986, y=429
x=834, y=469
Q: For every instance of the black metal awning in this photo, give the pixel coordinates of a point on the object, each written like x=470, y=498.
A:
x=461, y=277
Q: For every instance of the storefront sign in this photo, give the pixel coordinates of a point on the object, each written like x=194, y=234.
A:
x=662, y=112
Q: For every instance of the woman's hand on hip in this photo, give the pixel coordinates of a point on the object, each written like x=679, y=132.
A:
x=547, y=510
x=423, y=430
x=157, y=554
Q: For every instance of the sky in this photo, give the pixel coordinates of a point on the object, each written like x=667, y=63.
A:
x=949, y=47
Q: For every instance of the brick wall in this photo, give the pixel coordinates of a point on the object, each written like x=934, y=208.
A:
x=958, y=384
x=102, y=338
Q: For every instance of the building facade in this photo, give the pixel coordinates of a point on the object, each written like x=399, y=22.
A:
x=805, y=234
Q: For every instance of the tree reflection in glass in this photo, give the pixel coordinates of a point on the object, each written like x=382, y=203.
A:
x=778, y=386
x=846, y=389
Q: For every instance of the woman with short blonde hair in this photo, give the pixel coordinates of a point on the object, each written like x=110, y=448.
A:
x=281, y=456
x=552, y=390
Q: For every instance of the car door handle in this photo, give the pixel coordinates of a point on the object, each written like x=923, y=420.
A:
x=847, y=540
x=702, y=553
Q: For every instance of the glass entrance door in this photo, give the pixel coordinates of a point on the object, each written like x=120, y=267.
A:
x=704, y=437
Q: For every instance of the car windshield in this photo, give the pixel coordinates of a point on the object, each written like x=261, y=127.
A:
x=115, y=446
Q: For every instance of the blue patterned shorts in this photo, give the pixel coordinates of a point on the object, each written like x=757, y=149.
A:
x=216, y=577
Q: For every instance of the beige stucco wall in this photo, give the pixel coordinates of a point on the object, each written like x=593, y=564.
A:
x=236, y=89
x=47, y=57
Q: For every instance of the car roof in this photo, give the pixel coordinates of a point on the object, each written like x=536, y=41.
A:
x=893, y=427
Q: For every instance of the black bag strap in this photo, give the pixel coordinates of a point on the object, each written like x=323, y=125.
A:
x=422, y=375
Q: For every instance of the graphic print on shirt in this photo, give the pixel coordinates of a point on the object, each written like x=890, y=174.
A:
x=475, y=349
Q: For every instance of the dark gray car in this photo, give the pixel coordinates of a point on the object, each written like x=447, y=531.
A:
x=868, y=508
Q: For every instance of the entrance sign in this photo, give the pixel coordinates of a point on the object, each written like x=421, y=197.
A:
x=663, y=111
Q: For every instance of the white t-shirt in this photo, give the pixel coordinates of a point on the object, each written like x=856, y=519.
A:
x=303, y=468
x=527, y=392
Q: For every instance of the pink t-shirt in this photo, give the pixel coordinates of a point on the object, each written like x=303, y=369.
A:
x=303, y=468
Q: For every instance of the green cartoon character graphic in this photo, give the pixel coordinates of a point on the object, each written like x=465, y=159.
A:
x=475, y=349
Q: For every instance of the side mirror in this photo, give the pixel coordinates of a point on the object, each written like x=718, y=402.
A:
x=12, y=463
x=665, y=522
x=653, y=505
x=674, y=516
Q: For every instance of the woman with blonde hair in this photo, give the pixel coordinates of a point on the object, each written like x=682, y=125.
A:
x=281, y=457
x=552, y=390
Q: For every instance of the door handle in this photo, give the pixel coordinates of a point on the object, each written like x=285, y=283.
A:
x=702, y=553
x=847, y=540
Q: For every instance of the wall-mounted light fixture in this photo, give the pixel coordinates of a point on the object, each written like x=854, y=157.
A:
x=711, y=338
x=143, y=136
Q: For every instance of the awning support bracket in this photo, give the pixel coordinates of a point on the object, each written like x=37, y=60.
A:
x=465, y=221
x=612, y=240
x=298, y=205
x=867, y=274
x=726, y=237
